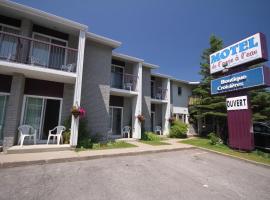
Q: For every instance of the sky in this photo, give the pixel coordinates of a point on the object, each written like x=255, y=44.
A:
x=168, y=33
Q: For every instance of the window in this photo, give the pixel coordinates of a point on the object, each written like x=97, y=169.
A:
x=51, y=53
x=179, y=91
x=8, y=43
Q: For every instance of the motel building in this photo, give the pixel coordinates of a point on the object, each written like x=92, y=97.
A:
x=49, y=64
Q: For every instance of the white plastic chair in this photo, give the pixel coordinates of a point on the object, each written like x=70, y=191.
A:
x=126, y=130
x=128, y=86
x=158, y=130
x=68, y=67
x=58, y=135
x=27, y=131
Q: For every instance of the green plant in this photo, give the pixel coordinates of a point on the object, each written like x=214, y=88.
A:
x=178, y=129
x=85, y=143
x=213, y=138
x=66, y=137
x=150, y=136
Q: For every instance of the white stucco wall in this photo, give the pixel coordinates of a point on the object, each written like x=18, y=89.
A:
x=180, y=102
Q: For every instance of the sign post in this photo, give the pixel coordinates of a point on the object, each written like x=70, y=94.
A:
x=235, y=86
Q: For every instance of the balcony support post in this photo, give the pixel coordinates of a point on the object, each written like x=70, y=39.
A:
x=166, y=108
x=77, y=89
x=137, y=105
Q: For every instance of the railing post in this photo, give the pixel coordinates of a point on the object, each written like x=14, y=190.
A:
x=77, y=89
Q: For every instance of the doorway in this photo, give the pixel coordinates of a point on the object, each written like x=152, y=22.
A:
x=42, y=113
x=153, y=121
x=116, y=122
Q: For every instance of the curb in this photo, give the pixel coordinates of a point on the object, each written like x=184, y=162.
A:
x=235, y=157
x=83, y=158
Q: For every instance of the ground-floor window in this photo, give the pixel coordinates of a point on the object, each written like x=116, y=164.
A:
x=42, y=113
x=116, y=120
x=3, y=105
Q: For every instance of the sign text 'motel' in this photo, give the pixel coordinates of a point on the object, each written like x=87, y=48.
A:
x=251, y=49
x=257, y=77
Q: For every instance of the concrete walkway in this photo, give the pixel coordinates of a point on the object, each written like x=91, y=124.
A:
x=14, y=160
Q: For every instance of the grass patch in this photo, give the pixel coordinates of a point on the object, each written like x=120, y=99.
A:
x=152, y=139
x=108, y=145
x=154, y=143
x=256, y=155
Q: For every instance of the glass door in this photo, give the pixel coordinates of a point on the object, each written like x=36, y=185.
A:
x=8, y=44
x=153, y=121
x=3, y=102
x=117, y=77
x=33, y=113
x=116, y=120
x=40, y=51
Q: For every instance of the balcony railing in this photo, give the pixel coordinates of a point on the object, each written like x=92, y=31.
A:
x=25, y=50
x=123, y=81
x=158, y=93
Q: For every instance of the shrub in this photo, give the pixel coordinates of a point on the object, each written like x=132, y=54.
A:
x=213, y=138
x=85, y=143
x=150, y=136
x=66, y=137
x=178, y=129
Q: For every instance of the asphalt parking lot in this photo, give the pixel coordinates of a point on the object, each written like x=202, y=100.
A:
x=187, y=174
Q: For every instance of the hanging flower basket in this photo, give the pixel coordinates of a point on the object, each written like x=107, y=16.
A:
x=77, y=112
x=141, y=118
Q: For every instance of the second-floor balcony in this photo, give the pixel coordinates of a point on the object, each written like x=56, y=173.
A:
x=158, y=93
x=38, y=51
x=123, y=81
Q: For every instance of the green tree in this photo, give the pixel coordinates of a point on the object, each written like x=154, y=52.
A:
x=209, y=113
x=260, y=101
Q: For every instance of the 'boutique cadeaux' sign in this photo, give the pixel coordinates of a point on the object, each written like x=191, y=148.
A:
x=257, y=77
x=251, y=49
x=237, y=103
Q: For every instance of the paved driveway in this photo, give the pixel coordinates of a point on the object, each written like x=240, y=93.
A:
x=187, y=174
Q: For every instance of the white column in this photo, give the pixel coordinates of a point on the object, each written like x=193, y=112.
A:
x=166, y=109
x=137, y=105
x=77, y=89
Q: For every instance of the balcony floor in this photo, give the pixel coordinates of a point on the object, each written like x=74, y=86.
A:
x=36, y=72
x=122, y=92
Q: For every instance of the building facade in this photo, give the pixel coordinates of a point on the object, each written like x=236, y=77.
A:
x=49, y=64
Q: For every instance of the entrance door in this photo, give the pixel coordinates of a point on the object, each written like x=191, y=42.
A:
x=42, y=114
x=3, y=103
x=116, y=120
x=51, y=116
x=33, y=113
x=153, y=121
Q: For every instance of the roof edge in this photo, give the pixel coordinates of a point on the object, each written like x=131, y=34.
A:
x=49, y=16
x=126, y=57
x=149, y=65
x=103, y=40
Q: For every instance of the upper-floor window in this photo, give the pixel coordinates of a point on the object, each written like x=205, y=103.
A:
x=50, y=53
x=117, y=76
x=179, y=91
x=8, y=43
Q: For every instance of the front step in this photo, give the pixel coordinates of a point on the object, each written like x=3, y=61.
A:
x=38, y=148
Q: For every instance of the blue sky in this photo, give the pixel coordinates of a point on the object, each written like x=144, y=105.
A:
x=169, y=33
